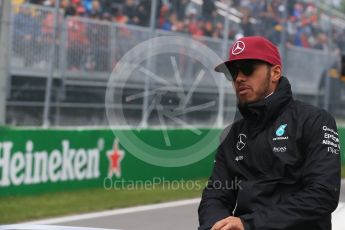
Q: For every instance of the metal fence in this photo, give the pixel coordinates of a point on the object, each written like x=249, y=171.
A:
x=87, y=52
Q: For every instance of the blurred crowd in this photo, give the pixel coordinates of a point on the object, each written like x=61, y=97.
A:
x=306, y=25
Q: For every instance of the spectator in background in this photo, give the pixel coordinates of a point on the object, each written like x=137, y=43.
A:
x=77, y=40
x=69, y=8
x=164, y=22
x=267, y=17
x=48, y=27
x=256, y=7
x=194, y=25
x=208, y=29
x=27, y=34
x=301, y=38
x=321, y=42
x=87, y=4
x=290, y=7
x=215, y=18
x=208, y=9
x=143, y=11
x=129, y=9
x=339, y=37
x=180, y=8
x=218, y=30
x=64, y=4
x=47, y=30
x=99, y=56
x=78, y=4
x=179, y=27
x=173, y=20
x=120, y=17
x=297, y=10
x=123, y=32
x=96, y=10
x=246, y=25
x=274, y=34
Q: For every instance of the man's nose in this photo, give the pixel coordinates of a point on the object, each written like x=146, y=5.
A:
x=240, y=77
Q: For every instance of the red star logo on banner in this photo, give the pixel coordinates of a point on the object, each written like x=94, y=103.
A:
x=115, y=157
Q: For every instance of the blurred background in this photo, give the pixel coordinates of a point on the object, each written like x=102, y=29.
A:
x=58, y=55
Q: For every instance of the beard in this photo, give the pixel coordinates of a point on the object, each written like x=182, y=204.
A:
x=261, y=93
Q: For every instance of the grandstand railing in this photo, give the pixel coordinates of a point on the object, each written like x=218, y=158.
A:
x=90, y=49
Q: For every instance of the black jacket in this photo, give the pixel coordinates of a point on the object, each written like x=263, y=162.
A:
x=277, y=168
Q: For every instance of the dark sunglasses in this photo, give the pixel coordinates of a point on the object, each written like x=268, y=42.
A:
x=247, y=67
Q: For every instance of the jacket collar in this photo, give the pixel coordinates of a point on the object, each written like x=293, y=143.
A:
x=267, y=109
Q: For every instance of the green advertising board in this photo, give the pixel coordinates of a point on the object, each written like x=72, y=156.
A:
x=41, y=160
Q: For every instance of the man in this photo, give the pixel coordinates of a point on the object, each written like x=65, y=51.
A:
x=279, y=166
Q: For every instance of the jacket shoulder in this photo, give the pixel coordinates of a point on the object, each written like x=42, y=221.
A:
x=311, y=113
x=311, y=110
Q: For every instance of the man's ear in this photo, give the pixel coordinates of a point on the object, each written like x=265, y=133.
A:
x=276, y=73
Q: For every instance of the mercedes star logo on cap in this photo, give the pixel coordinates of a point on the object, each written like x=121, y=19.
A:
x=238, y=48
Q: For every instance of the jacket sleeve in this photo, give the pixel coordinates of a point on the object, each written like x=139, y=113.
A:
x=319, y=195
x=218, y=198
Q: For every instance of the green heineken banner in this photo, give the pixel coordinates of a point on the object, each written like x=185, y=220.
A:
x=42, y=160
